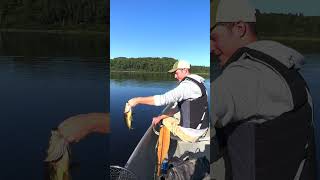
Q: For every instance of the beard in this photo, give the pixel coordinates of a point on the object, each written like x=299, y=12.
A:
x=215, y=66
x=214, y=59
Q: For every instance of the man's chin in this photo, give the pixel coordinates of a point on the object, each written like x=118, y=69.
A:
x=214, y=58
x=222, y=60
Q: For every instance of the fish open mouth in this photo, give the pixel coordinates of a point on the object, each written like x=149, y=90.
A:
x=58, y=145
x=127, y=108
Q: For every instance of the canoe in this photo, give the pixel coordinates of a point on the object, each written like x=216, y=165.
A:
x=142, y=162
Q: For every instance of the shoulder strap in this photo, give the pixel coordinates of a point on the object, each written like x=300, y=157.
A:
x=201, y=85
x=291, y=75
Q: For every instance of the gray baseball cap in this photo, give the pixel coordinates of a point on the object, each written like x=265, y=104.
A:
x=235, y=11
x=179, y=65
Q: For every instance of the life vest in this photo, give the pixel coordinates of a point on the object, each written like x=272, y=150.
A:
x=273, y=149
x=194, y=113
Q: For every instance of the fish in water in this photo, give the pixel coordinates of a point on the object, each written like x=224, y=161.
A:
x=128, y=115
x=58, y=157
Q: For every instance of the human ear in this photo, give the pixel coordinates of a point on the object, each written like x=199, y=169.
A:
x=239, y=29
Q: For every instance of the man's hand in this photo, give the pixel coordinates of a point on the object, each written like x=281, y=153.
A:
x=133, y=102
x=157, y=119
x=77, y=127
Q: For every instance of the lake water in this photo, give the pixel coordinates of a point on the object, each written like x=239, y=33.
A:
x=44, y=79
x=125, y=86
x=311, y=72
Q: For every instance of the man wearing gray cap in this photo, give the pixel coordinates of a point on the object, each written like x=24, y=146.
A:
x=261, y=106
x=191, y=101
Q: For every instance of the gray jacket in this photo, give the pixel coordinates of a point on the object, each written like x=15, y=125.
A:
x=185, y=90
x=259, y=91
x=250, y=89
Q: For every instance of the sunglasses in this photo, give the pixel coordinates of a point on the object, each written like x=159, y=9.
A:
x=222, y=24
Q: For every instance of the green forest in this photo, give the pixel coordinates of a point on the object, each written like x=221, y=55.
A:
x=287, y=25
x=90, y=15
x=150, y=64
x=295, y=30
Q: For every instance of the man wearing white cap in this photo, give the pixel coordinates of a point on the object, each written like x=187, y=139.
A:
x=191, y=101
x=262, y=108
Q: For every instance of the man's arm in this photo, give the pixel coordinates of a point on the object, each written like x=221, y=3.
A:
x=141, y=100
x=185, y=90
x=77, y=127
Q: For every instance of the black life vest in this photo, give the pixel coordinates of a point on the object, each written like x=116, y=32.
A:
x=274, y=149
x=195, y=112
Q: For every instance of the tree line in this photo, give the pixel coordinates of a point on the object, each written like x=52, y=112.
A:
x=149, y=64
x=286, y=25
x=94, y=14
x=57, y=13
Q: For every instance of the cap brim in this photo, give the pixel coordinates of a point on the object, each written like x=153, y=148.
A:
x=172, y=70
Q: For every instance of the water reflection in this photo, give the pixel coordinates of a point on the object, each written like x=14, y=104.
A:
x=41, y=44
x=46, y=78
x=143, y=77
x=303, y=45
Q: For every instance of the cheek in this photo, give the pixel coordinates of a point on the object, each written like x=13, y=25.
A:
x=225, y=45
x=221, y=42
x=211, y=45
x=215, y=48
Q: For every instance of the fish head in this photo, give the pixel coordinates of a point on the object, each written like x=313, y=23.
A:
x=58, y=157
x=59, y=169
x=127, y=108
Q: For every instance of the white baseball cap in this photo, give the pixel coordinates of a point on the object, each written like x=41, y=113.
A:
x=235, y=11
x=180, y=65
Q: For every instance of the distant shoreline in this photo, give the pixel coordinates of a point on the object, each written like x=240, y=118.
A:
x=136, y=71
x=62, y=31
x=294, y=38
x=111, y=71
x=53, y=31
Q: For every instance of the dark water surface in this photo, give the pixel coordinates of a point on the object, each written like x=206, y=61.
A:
x=311, y=73
x=125, y=86
x=41, y=44
x=43, y=83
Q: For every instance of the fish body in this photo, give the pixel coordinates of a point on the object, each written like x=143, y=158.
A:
x=59, y=170
x=128, y=116
x=58, y=158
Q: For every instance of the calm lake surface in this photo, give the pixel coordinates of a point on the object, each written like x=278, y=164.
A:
x=46, y=78
x=311, y=73
x=124, y=86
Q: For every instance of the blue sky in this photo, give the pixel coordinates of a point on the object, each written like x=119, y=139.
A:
x=161, y=28
x=307, y=7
